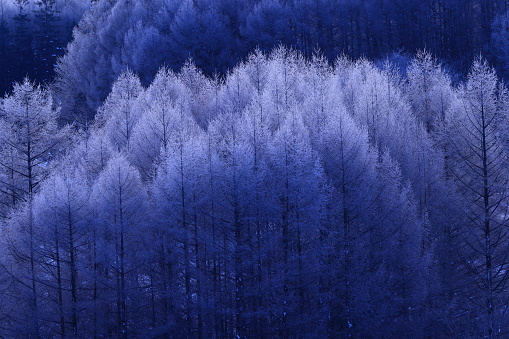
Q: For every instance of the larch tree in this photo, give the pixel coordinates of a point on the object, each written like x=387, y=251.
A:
x=384, y=110
x=160, y=120
x=262, y=240
x=31, y=138
x=300, y=196
x=176, y=197
x=322, y=98
x=94, y=152
x=349, y=164
x=94, y=59
x=62, y=215
x=203, y=92
x=119, y=198
x=234, y=212
x=400, y=258
x=477, y=129
x=120, y=111
x=286, y=85
x=429, y=90
x=30, y=142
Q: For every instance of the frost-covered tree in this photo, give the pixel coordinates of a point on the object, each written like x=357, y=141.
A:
x=62, y=215
x=29, y=142
x=203, y=92
x=30, y=139
x=94, y=152
x=235, y=160
x=300, y=198
x=365, y=236
x=285, y=88
x=429, y=90
x=20, y=262
x=165, y=110
x=96, y=57
x=121, y=111
x=177, y=195
x=477, y=131
x=349, y=164
x=119, y=197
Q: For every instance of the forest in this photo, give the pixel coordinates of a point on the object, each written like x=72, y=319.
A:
x=254, y=169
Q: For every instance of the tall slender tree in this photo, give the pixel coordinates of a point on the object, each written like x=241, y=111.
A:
x=62, y=216
x=477, y=129
x=118, y=196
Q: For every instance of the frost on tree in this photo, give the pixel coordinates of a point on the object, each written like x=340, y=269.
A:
x=478, y=127
x=30, y=139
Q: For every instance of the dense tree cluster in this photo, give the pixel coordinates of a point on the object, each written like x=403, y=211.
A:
x=289, y=198
x=143, y=35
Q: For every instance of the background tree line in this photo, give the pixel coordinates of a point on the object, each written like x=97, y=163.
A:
x=33, y=35
x=143, y=35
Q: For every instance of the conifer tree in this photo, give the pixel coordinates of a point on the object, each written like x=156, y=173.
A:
x=480, y=166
